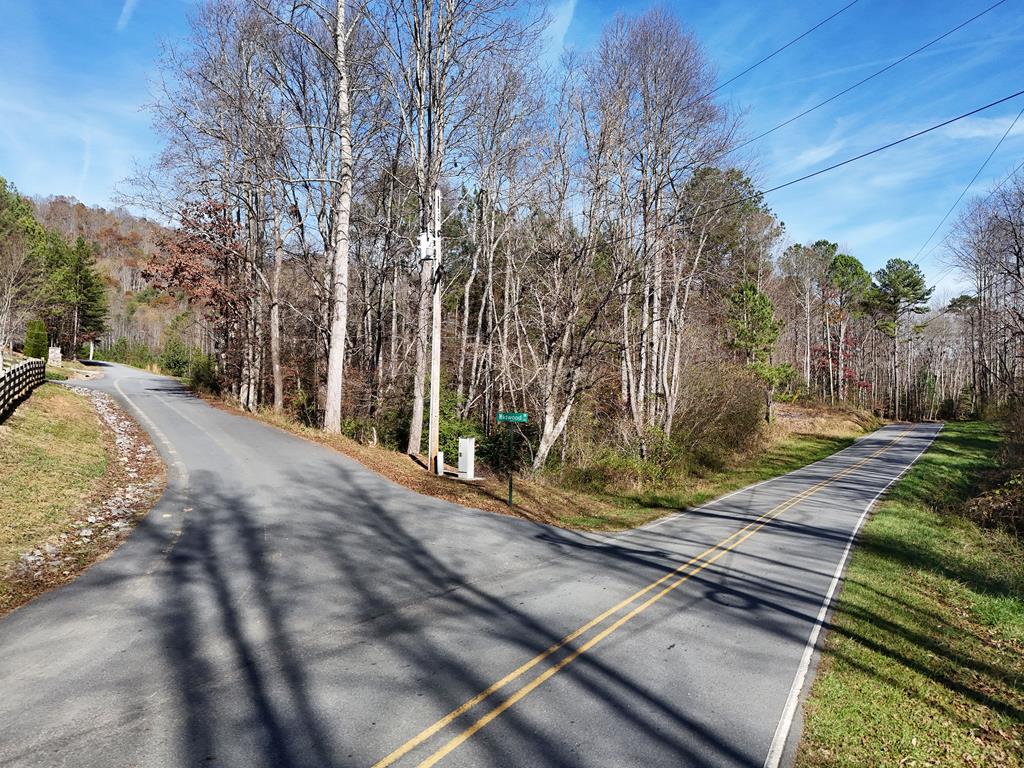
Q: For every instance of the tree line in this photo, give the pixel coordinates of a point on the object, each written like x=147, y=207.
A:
x=589, y=239
x=987, y=249
x=601, y=251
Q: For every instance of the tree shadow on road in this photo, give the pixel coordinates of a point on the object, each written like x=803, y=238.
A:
x=252, y=626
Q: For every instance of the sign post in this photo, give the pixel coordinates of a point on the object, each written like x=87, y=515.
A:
x=510, y=418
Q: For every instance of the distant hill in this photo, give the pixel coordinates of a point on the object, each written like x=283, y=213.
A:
x=125, y=244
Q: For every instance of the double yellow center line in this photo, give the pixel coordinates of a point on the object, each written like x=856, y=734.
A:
x=680, y=576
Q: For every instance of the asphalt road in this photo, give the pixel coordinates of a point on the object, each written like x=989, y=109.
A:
x=283, y=606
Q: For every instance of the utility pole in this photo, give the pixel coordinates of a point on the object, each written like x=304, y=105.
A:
x=433, y=433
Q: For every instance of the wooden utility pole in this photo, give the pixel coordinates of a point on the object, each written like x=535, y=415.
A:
x=434, y=428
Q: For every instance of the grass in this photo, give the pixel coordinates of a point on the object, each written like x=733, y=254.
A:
x=925, y=662
x=777, y=458
x=53, y=456
x=67, y=370
x=545, y=502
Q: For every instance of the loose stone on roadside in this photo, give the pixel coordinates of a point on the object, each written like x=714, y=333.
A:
x=136, y=482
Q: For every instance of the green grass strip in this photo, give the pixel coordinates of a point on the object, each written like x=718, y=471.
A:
x=925, y=662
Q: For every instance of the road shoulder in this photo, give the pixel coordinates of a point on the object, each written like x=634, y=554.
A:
x=926, y=646
x=79, y=475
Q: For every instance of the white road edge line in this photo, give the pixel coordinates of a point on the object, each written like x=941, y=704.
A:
x=178, y=463
x=675, y=516
x=774, y=757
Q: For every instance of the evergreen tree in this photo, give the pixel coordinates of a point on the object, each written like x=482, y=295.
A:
x=751, y=317
x=76, y=297
x=36, y=340
x=850, y=284
x=755, y=329
x=900, y=292
x=901, y=289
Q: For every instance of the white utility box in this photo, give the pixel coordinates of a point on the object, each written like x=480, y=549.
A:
x=467, y=458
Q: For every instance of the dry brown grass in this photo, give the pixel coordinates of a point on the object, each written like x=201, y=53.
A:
x=823, y=420
x=58, y=461
x=801, y=437
x=533, y=500
x=53, y=455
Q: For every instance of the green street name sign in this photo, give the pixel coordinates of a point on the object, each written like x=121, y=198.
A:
x=519, y=418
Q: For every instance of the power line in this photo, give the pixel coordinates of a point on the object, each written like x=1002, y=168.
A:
x=971, y=182
x=862, y=155
x=866, y=79
x=773, y=54
x=991, y=192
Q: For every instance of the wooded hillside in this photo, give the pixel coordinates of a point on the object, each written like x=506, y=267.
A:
x=78, y=274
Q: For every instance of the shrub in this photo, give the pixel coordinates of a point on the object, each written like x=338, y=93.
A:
x=720, y=412
x=203, y=376
x=657, y=462
x=122, y=351
x=450, y=428
x=1001, y=507
x=304, y=405
x=176, y=357
x=37, y=342
x=117, y=352
x=494, y=450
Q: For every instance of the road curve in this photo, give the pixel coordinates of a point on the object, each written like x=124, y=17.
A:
x=284, y=606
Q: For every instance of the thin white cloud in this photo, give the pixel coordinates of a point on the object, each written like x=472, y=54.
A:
x=87, y=157
x=984, y=128
x=561, y=15
x=883, y=232
x=126, y=13
x=816, y=155
x=898, y=179
x=985, y=46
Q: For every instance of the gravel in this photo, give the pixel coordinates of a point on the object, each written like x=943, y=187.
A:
x=132, y=484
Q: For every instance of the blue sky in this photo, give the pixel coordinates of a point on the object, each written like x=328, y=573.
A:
x=73, y=95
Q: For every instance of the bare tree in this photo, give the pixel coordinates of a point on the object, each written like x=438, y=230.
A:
x=324, y=28
x=432, y=51
x=651, y=81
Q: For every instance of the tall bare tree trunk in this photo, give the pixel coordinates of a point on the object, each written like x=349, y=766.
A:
x=338, y=260
x=807, y=335
x=831, y=367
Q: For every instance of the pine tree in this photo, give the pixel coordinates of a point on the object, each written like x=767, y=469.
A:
x=755, y=329
x=752, y=322
x=850, y=283
x=76, y=297
x=900, y=291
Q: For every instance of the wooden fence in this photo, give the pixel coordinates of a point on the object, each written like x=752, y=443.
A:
x=19, y=381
